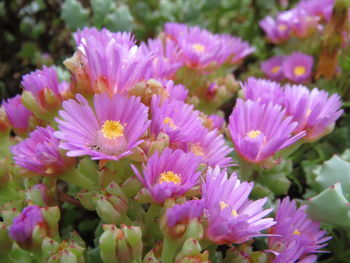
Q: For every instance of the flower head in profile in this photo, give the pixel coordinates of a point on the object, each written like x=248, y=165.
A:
x=260, y=130
x=294, y=231
x=297, y=67
x=23, y=225
x=39, y=153
x=239, y=49
x=262, y=91
x=231, y=216
x=315, y=111
x=109, y=62
x=110, y=130
x=177, y=119
x=17, y=114
x=44, y=86
x=272, y=68
x=169, y=174
x=276, y=30
x=212, y=147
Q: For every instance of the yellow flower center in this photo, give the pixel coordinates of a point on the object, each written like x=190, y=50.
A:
x=253, y=134
x=299, y=71
x=296, y=232
x=169, y=177
x=234, y=212
x=198, y=47
x=112, y=129
x=275, y=69
x=282, y=27
x=223, y=205
x=197, y=150
x=170, y=122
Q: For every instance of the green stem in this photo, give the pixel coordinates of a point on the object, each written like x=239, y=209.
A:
x=152, y=213
x=74, y=177
x=168, y=251
x=246, y=170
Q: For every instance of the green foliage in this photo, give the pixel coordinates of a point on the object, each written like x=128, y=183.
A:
x=74, y=15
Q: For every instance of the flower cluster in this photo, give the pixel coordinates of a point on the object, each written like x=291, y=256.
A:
x=139, y=133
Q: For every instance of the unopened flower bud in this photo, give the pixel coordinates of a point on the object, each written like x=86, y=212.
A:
x=191, y=253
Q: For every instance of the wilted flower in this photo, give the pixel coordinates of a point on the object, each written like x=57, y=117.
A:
x=272, y=68
x=297, y=67
x=39, y=153
x=109, y=130
x=315, y=111
x=262, y=91
x=22, y=228
x=169, y=174
x=17, y=114
x=177, y=119
x=293, y=228
x=231, y=216
x=259, y=130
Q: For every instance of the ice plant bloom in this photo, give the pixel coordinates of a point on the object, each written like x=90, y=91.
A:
x=169, y=174
x=315, y=111
x=212, y=148
x=17, y=114
x=110, y=130
x=239, y=49
x=297, y=67
x=262, y=91
x=44, y=86
x=39, y=153
x=260, y=130
x=294, y=226
x=272, y=68
x=184, y=212
x=231, y=216
x=23, y=225
x=177, y=119
x=277, y=31
x=110, y=61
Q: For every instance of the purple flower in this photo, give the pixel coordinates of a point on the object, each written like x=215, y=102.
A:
x=17, y=114
x=239, y=49
x=277, y=31
x=177, y=119
x=294, y=227
x=113, y=64
x=23, y=225
x=297, y=67
x=313, y=8
x=170, y=174
x=39, y=153
x=43, y=84
x=231, y=216
x=216, y=122
x=184, y=212
x=315, y=111
x=165, y=62
x=109, y=131
x=212, y=147
x=272, y=68
x=263, y=91
x=260, y=130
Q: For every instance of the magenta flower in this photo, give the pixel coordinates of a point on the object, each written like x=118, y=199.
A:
x=313, y=8
x=170, y=174
x=216, y=122
x=44, y=86
x=17, y=114
x=239, y=49
x=315, y=111
x=184, y=212
x=277, y=31
x=177, y=119
x=272, y=68
x=23, y=225
x=174, y=30
x=293, y=225
x=174, y=91
x=262, y=91
x=165, y=62
x=212, y=147
x=231, y=216
x=113, y=64
x=260, y=130
x=110, y=130
x=297, y=67
x=39, y=153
